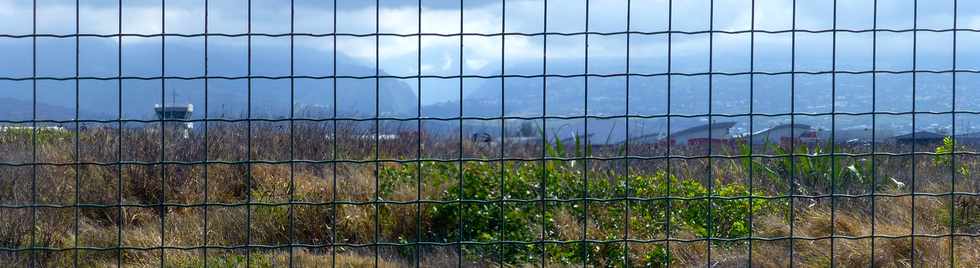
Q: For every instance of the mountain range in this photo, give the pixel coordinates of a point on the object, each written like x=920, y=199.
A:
x=522, y=96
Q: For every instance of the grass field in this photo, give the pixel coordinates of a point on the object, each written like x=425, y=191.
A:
x=603, y=199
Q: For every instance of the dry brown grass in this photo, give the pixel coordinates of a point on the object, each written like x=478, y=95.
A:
x=317, y=223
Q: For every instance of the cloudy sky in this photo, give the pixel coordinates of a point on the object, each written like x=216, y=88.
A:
x=482, y=54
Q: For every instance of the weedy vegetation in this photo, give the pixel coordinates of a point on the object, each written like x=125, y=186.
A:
x=580, y=204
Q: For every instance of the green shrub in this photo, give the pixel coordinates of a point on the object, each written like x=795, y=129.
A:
x=944, y=156
x=522, y=181
x=814, y=168
x=44, y=135
x=657, y=257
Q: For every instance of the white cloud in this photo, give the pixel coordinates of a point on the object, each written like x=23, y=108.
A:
x=447, y=62
x=479, y=52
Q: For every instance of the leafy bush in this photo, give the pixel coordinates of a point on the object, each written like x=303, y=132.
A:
x=944, y=156
x=495, y=221
x=44, y=135
x=814, y=168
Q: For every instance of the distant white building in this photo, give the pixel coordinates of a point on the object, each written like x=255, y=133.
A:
x=703, y=134
x=920, y=137
x=784, y=134
x=856, y=134
x=646, y=139
x=176, y=112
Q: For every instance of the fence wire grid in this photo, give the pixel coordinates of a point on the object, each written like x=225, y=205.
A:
x=587, y=203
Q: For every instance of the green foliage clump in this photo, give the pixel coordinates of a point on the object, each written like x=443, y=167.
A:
x=944, y=156
x=943, y=152
x=814, y=167
x=519, y=218
x=44, y=135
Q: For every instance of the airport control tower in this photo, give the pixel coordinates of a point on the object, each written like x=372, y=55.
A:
x=176, y=112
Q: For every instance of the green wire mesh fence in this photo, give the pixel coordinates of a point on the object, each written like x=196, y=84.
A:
x=331, y=188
